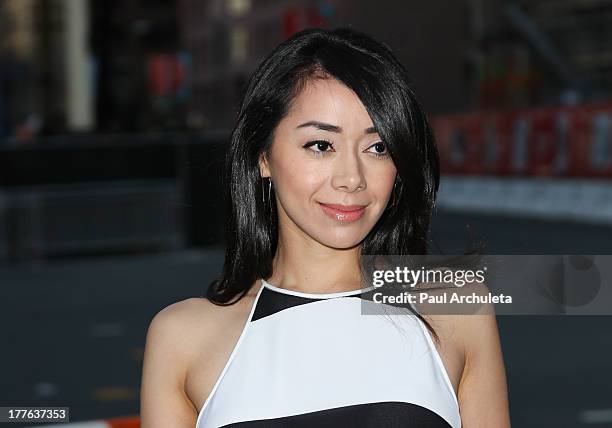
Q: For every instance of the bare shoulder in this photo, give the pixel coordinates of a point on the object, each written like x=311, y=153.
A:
x=185, y=325
x=176, y=323
x=181, y=313
x=179, y=336
x=169, y=348
x=177, y=332
x=184, y=316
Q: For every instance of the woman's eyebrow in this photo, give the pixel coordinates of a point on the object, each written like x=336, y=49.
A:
x=331, y=128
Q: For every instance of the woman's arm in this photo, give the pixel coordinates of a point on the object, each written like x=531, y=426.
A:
x=163, y=402
x=483, y=395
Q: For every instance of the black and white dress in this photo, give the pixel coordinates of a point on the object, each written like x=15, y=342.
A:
x=324, y=360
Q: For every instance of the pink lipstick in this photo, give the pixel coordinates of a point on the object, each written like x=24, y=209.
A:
x=343, y=213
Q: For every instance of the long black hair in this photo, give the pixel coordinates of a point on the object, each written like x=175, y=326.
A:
x=370, y=69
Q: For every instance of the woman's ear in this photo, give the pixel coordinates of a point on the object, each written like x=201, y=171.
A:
x=264, y=169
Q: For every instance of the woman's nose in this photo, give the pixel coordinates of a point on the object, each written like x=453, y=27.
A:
x=348, y=173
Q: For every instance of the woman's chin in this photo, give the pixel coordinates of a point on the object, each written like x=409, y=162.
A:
x=342, y=242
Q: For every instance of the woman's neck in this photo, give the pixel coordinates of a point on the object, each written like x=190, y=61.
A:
x=310, y=267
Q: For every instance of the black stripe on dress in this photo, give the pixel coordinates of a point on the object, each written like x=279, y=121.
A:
x=387, y=414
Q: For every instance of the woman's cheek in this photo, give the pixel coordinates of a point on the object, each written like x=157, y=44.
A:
x=303, y=179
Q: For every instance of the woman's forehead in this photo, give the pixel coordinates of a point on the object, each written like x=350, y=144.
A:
x=329, y=101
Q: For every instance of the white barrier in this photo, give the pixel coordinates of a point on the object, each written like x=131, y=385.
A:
x=582, y=200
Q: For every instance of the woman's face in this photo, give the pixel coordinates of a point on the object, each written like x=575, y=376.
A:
x=326, y=151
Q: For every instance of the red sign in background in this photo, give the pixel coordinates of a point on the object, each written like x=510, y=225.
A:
x=548, y=141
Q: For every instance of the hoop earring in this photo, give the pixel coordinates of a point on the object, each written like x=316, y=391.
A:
x=394, y=197
x=263, y=192
x=270, y=193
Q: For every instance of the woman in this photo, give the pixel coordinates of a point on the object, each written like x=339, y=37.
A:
x=331, y=159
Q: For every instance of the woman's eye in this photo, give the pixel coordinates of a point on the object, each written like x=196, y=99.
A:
x=319, y=146
x=380, y=149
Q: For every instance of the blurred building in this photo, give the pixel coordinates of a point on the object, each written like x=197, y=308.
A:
x=85, y=66
x=114, y=66
x=535, y=52
x=227, y=39
x=135, y=43
x=29, y=87
x=461, y=55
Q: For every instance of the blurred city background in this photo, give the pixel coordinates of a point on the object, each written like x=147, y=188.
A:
x=114, y=116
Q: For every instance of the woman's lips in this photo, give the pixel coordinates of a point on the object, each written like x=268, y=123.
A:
x=344, y=213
